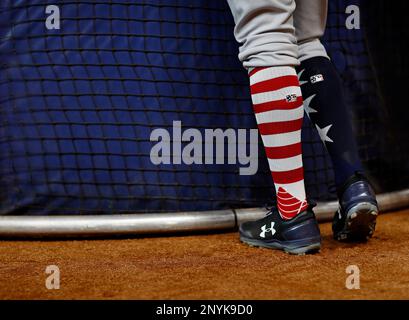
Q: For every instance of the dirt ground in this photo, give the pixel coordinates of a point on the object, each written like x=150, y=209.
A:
x=215, y=266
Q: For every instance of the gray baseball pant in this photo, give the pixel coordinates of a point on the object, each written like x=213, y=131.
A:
x=279, y=32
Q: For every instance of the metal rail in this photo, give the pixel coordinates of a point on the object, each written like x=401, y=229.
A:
x=159, y=223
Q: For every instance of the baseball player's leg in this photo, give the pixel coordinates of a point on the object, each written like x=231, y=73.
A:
x=265, y=31
x=325, y=105
x=269, y=51
x=310, y=17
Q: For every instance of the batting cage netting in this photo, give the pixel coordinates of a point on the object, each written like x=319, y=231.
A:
x=85, y=106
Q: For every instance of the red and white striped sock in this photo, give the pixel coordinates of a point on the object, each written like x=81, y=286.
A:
x=278, y=106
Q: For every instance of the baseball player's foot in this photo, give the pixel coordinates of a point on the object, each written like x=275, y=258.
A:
x=355, y=219
x=299, y=235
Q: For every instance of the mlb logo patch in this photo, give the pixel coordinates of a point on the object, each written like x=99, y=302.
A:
x=291, y=97
x=317, y=78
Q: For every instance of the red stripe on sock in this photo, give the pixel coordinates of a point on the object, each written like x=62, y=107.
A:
x=282, y=194
x=277, y=105
x=295, y=206
x=280, y=127
x=290, y=206
x=288, y=151
x=290, y=176
x=288, y=201
x=275, y=84
x=256, y=69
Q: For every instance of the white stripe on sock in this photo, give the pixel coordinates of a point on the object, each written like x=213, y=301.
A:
x=280, y=115
x=275, y=95
x=285, y=164
x=281, y=139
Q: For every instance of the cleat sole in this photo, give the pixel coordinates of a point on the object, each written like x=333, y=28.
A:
x=359, y=224
x=309, y=246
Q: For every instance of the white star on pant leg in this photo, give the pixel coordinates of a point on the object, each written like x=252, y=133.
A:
x=307, y=107
x=324, y=133
x=299, y=77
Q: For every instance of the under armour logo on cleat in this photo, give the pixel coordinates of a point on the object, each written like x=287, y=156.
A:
x=265, y=230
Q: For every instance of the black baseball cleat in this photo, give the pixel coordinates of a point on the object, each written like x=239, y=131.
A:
x=355, y=219
x=299, y=235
